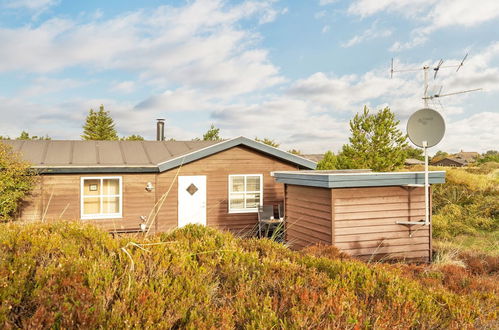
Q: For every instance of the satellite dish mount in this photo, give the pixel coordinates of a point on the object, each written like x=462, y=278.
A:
x=425, y=129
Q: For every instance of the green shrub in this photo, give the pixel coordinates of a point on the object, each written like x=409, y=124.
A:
x=16, y=181
x=467, y=203
x=69, y=275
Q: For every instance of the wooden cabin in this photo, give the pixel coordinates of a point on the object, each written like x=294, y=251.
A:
x=119, y=185
x=366, y=214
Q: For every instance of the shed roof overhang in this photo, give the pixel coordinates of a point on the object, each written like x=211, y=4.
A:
x=351, y=179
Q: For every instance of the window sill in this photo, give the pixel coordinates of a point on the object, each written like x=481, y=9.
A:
x=243, y=211
x=102, y=216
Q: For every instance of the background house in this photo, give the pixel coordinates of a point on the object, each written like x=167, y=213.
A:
x=457, y=160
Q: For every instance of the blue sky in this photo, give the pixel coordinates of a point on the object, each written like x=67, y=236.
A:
x=292, y=71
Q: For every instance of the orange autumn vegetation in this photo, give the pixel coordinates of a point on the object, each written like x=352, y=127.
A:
x=68, y=275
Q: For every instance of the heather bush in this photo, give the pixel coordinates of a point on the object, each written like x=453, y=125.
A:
x=16, y=181
x=69, y=275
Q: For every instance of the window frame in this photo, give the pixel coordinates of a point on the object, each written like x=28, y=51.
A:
x=244, y=192
x=101, y=197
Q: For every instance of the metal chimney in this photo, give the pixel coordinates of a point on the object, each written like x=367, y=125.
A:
x=160, y=130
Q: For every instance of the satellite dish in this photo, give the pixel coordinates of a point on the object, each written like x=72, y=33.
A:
x=426, y=125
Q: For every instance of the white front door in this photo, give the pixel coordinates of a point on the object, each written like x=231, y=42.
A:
x=191, y=200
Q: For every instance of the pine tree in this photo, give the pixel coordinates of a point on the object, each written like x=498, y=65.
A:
x=328, y=162
x=212, y=134
x=99, y=126
x=376, y=142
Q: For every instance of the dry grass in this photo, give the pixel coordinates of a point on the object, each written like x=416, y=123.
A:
x=467, y=205
x=69, y=275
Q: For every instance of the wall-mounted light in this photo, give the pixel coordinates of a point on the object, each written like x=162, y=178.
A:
x=149, y=186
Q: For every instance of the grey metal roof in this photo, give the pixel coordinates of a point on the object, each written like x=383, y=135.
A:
x=64, y=156
x=362, y=178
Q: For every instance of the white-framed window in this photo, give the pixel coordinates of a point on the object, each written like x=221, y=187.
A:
x=245, y=192
x=101, y=197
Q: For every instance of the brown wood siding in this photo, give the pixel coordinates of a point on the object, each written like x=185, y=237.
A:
x=31, y=207
x=308, y=216
x=217, y=168
x=365, y=222
x=59, y=198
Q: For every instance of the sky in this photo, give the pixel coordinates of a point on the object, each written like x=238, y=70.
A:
x=292, y=71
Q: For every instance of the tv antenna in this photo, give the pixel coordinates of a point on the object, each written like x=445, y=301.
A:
x=426, y=72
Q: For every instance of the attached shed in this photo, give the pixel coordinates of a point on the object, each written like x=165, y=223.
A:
x=363, y=213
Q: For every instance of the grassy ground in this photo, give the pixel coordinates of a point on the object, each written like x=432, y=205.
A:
x=483, y=242
x=67, y=275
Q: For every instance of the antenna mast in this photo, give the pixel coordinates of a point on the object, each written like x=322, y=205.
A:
x=425, y=93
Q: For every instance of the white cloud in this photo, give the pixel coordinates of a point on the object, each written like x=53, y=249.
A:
x=408, y=8
x=196, y=45
x=45, y=85
x=372, y=33
x=178, y=100
x=124, y=87
x=431, y=14
x=292, y=122
x=479, y=132
x=326, y=29
x=416, y=40
x=350, y=92
x=462, y=12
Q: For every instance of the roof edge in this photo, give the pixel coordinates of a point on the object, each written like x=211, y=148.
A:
x=96, y=169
